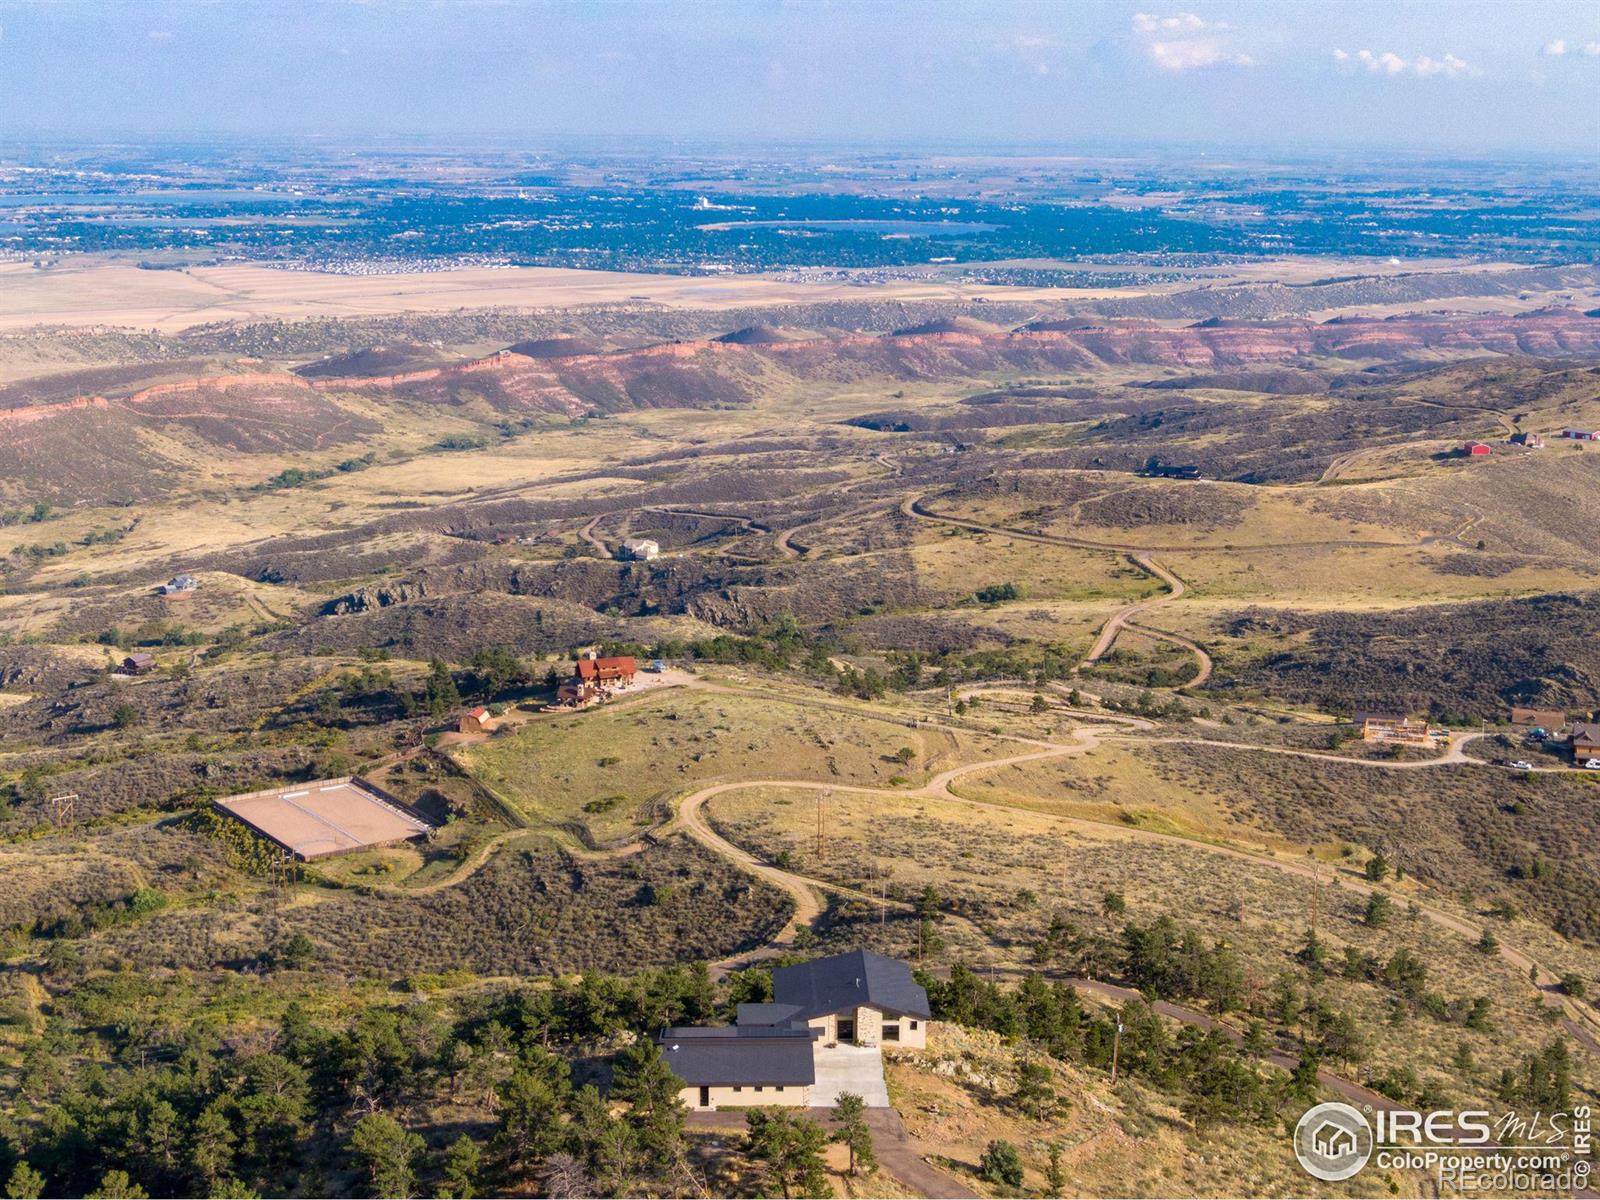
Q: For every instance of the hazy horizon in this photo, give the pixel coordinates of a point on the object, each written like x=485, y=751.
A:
x=1460, y=79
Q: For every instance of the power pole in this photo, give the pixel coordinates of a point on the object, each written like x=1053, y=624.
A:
x=822, y=795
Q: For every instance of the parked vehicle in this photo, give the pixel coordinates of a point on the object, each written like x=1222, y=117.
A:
x=1592, y=765
x=1522, y=764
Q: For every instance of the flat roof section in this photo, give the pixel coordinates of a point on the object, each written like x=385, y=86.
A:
x=330, y=816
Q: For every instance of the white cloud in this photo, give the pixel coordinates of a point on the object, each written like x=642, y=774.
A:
x=1182, y=23
x=1186, y=41
x=161, y=35
x=1560, y=48
x=1196, y=52
x=1390, y=63
x=1449, y=64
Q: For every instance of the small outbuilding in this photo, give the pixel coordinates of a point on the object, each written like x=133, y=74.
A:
x=476, y=720
x=139, y=663
x=180, y=585
x=1474, y=450
x=639, y=549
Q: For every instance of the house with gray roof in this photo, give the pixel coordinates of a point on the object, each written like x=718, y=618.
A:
x=739, y=1066
x=859, y=997
x=845, y=1005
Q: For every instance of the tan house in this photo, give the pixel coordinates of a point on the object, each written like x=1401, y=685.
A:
x=860, y=997
x=733, y=1066
x=770, y=1055
x=1392, y=727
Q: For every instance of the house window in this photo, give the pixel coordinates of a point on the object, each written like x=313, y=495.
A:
x=758, y=1087
x=891, y=1033
x=738, y=1088
x=779, y=1088
x=913, y=1025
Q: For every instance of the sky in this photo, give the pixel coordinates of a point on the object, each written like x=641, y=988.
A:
x=1456, y=77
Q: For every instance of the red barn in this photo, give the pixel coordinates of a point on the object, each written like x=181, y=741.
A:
x=1475, y=450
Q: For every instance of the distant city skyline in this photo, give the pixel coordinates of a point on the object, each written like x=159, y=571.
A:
x=1457, y=78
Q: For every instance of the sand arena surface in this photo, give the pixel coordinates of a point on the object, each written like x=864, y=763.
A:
x=332, y=816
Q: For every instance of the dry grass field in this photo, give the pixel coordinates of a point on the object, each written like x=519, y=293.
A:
x=613, y=771
x=1130, y=1141
x=1005, y=876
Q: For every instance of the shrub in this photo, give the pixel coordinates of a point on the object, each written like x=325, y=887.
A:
x=1001, y=1164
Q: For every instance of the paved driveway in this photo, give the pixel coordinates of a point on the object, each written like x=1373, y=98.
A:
x=842, y=1068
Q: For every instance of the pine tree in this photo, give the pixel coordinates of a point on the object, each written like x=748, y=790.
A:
x=851, y=1131
x=25, y=1183
x=789, y=1149
x=462, y=1158
x=388, y=1152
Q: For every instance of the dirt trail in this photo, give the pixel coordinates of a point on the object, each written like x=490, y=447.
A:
x=587, y=534
x=807, y=890
x=913, y=506
x=1582, y=1024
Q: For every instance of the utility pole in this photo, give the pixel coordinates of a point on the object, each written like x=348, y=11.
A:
x=1116, y=1051
x=61, y=807
x=821, y=796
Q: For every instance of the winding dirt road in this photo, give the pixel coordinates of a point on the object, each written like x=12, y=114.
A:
x=587, y=534
x=1576, y=1018
x=1123, y=618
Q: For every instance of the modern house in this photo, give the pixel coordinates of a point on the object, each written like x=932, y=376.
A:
x=735, y=1066
x=844, y=1007
x=1379, y=726
x=639, y=549
x=858, y=997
